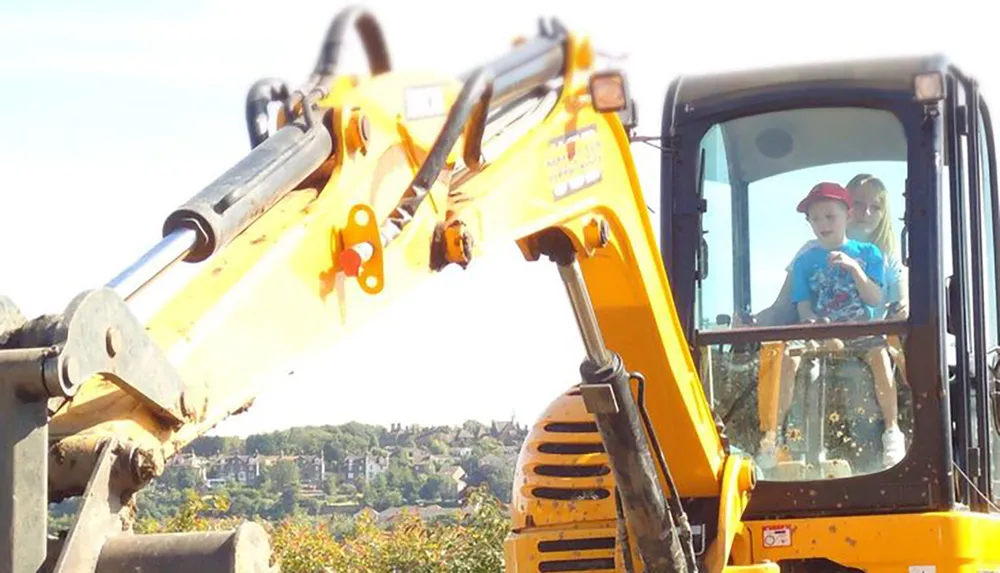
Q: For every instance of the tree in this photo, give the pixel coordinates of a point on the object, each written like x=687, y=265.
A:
x=181, y=477
x=330, y=484
x=438, y=447
x=436, y=487
x=283, y=476
x=473, y=426
x=487, y=446
x=499, y=479
x=288, y=503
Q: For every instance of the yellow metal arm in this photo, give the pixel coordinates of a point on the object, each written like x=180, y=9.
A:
x=373, y=185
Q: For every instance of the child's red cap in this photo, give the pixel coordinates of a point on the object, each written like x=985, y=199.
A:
x=825, y=190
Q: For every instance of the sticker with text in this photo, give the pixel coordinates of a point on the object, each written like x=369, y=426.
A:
x=778, y=536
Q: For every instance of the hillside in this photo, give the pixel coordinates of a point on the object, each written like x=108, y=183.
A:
x=330, y=470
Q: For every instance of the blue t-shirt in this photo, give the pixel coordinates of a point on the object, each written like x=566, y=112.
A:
x=831, y=289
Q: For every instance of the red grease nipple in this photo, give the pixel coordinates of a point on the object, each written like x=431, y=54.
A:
x=351, y=259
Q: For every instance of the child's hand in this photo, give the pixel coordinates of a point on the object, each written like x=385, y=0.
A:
x=843, y=261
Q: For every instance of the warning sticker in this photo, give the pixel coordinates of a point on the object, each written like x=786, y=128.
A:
x=777, y=536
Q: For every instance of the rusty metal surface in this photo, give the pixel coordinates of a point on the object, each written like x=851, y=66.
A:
x=104, y=337
x=106, y=510
x=23, y=461
x=243, y=550
x=72, y=461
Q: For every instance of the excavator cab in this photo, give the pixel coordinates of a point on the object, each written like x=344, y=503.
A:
x=860, y=412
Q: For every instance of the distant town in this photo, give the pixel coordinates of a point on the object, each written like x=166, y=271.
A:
x=345, y=469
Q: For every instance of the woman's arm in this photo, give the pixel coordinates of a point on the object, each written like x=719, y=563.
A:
x=780, y=309
x=897, y=285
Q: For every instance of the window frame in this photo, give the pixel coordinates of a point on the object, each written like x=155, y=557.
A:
x=976, y=429
x=681, y=211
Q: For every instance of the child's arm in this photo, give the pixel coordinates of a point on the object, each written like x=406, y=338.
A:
x=801, y=295
x=869, y=290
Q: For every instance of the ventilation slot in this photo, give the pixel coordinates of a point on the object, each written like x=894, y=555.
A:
x=566, y=494
x=573, y=471
x=572, y=427
x=570, y=449
x=599, y=564
x=585, y=544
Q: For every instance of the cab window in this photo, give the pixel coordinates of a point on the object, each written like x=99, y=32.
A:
x=804, y=213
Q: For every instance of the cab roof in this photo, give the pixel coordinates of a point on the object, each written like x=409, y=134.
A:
x=760, y=146
x=885, y=73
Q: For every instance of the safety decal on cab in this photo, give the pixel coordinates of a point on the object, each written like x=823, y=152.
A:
x=777, y=536
x=573, y=161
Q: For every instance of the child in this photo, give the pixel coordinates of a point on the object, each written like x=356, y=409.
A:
x=837, y=279
x=841, y=280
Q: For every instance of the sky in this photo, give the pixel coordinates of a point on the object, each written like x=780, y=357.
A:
x=115, y=107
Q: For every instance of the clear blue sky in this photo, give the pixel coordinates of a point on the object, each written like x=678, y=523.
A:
x=136, y=105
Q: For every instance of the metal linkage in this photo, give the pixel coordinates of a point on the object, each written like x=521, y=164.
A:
x=24, y=446
x=607, y=393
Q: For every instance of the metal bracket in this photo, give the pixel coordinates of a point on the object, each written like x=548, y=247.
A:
x=361, y=256
x=98, y=518
x=24, y=438
x=599, y=398
x=98, y=335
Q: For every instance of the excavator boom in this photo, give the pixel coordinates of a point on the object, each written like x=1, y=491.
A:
x=369, y=186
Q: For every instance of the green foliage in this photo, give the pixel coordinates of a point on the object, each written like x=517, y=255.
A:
x=470, y=542
x=194, y=515
x=286, y=489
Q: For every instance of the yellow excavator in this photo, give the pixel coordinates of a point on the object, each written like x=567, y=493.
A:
x=711, y=428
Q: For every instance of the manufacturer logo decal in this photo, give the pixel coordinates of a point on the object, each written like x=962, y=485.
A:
x=573, y=161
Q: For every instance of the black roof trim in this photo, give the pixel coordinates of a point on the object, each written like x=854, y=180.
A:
x=886, y=74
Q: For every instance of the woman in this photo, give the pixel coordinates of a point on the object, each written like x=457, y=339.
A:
x=870, y=222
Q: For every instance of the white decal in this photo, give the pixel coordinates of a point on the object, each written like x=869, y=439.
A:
x=778, y=536
x=424, y=102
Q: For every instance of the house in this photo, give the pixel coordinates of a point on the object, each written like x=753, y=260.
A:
x=509, y=433
x=362, y=468
x=312, y=469
x=455, y=477
x=464, y=438
x=191, y=460
x=239, y=468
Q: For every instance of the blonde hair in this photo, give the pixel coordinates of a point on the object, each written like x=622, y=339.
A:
x=882, y=235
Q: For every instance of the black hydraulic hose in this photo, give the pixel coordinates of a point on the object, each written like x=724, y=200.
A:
x=262, y=93
x=525, y=68
x=674, y=501
x=372, y=39
x=268, y=90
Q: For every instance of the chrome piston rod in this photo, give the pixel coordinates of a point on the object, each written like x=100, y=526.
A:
x=162, y=256
x=579, y=298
